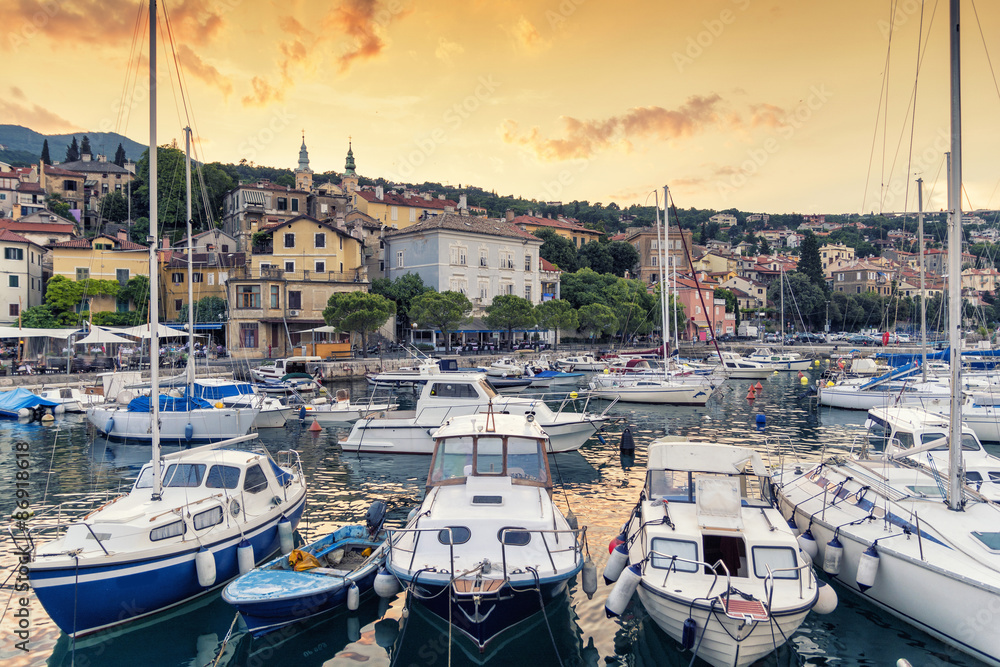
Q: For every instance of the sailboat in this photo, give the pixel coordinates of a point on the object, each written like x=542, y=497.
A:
x=192, y=520
x=780, y=360
x=186, y=417
x=665, y=390
x=911, y=538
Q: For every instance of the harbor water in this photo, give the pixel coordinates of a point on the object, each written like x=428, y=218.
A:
x=599, y=483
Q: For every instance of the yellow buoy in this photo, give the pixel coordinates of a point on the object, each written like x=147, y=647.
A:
x=803, y=380
x=830, y=383
x=47, y=417
x=573, y=394
x=220, y=405
x=816, y=363
x=606, y=371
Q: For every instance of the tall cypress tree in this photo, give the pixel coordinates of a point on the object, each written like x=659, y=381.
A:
x=45, y=152
x=120, y=156
x=85, y=146
x=72, y=152
x=809, y=261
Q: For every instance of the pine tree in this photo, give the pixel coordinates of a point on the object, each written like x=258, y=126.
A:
x=72, y=152
x=120, y=156
x=85, y=146
x=809, y=261
x=45, y=152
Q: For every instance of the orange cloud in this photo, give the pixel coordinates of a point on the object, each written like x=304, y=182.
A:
x=33, y=116
x=193, y=64
x=584, y=138
x=357, y=19
x=263, y=93
x=526, y=35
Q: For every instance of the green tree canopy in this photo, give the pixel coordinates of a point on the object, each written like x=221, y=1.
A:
x=585, y=286
x=402, y=290
x=509, y=311
x=558, y=250
x=557, y=314
x=114, y=207
x=597, y=319
x=208, y=309
x=810, y=264
x=359, y=312
x=55, y=203
x=440, y=310
x=624, y=257
x=85, y=146
x=804, y=302
x=595, y=255
x=764, y=247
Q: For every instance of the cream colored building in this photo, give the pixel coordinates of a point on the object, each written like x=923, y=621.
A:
x=102, y=257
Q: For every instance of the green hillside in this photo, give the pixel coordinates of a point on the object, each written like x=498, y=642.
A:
x=19, y=140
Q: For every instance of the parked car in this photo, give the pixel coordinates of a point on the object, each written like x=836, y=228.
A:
x=772, y=338
x=903, y=338
x=863, y=339
x=811, y=338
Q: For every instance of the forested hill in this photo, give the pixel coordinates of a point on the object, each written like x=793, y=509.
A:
x=23, y=145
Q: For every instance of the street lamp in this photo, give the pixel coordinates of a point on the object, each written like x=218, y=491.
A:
x=413, y=330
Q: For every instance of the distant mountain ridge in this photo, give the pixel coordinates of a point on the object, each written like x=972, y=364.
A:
x=23, y=140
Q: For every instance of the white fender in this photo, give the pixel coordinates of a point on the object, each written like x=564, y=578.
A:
x=868, y=568
x=244, y=557
x=616, y=563
x=589, y=578
x=353, y=597
x=623, y=590
x=832, y=556
x=808, y=544
x=285, y=536
x=204, y=563
x=386, y=584
x=826, y=600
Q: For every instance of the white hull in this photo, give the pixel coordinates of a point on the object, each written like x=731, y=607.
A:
x=272, y=418
x=853, y=398
x=746, y=373
x=674, y=395
x=209, y=425
x=332, y=414
x=72, y=400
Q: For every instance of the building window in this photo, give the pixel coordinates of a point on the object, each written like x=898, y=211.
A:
x=177, y=278
x=654, y=260
x=576, y=242
x=484, y=289
x=320, y=267
x=394, y=213
x=484, y=258
x=82, y=273
x=15, y=309
x=527, y=292
x=527, y=262
x=295, y=204
x=178, y=304
x=12, y=281
x=295, y=300
x=381, y=266
x=69, y=186
x=121, y=305
x=399, y=259
x=248, y=296
x=275, y=291
x=122, y=276
x=282, y=203
x=248, y=334
x=225, y=248
x=289, y=267
x=413, y=215
x=289, y=240
x=197, y=277
x=13, y=253
x=320, y=240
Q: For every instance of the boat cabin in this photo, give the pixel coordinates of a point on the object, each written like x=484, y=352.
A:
x=905, y=428
x=279, y=368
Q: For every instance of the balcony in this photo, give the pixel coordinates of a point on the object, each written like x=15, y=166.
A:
x=359, y=275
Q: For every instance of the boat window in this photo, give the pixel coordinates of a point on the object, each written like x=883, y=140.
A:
x=207, y=518
x=184, y=474
x=513, y=537
x=453, y=390
x=526, y=459
x=488, y=389
x=452, y=459
x=969, y=443
x=454, y=535
x=670, y=484
x=255, y=481
x=973, y=476
x=776, y=558
x=990, y=540
x=223, y=477
x=664, y=550
x=145, y=480
x=170, y=530
x=489, y=455
x=732, y=551
x=878, y=435
x=903, y=440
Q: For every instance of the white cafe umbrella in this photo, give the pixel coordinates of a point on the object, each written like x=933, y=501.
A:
x=100, y=336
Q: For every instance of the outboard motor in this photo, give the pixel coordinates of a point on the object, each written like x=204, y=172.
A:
x=375, y=517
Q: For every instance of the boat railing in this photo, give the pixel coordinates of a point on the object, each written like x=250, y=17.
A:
x=799, y=571
x=575, y=544
x=675, y=559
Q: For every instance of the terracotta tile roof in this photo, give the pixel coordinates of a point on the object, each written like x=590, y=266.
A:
x=41, y=227
x=466, y=223
x=119, y=244
x=270, y=188
x=400, y=200
x=325, y=223
x=556, y=224
x=546, y=265
x=30, y=187
x=52, y=170
x=7, y=235
x=92, y=166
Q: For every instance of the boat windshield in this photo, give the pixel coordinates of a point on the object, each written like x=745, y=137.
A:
x=678, y=486
x=489, y=456
x=488, y=389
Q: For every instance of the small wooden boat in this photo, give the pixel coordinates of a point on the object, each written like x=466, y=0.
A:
x=313, y=580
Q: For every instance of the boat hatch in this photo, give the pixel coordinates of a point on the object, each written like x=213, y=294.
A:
x=989, y=540
x=487, y=500
x=729, y=549
x=745, y=610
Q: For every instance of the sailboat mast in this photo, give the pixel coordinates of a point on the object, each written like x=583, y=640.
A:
x=923, y=292
x=781, y=288
x=663, y=293
x=955, y=263
x=190, y=262
x=154, y=288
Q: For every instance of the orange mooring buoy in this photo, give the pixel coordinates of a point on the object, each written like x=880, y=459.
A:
x=759, y=386
x=800, y=373
x=315, y=426
x=750, y=395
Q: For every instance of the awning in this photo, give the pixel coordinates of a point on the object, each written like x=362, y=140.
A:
x=15, y=332
x=142, y=331
x=99, y=335
x=254, y=197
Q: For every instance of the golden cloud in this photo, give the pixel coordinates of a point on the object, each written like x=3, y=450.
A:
x=33, y=116
x=197, y=67
x=357, y=19
x=526, y=35
x=446, y=50
x=263, y=93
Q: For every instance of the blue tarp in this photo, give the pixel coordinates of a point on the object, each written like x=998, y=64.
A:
x=894, y=374
x=15, y=399
x=902, y=359
x=168, y=404
x=215, y=392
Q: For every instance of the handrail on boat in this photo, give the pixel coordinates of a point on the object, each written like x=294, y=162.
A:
x=672, y=567
x=769, y=580
x=394, y=535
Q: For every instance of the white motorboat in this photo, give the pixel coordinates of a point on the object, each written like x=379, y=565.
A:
x=449, y=394
x=894, y=388
x=906, y=432
x=779, y=361
x=715, y=566
x=275, y=369
x=191, y=521
x=341, y=410
x=741, y=368
x=73, y=399
x=506, y=367
x=583, y=362
x=273, y=413
x=488, y=547
x=696, y=390
x=981, y=413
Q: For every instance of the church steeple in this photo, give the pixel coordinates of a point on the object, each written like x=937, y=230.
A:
x=349, y=181
x=303, y=175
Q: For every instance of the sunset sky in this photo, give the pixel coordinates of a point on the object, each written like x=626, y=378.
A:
x=759, y=105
